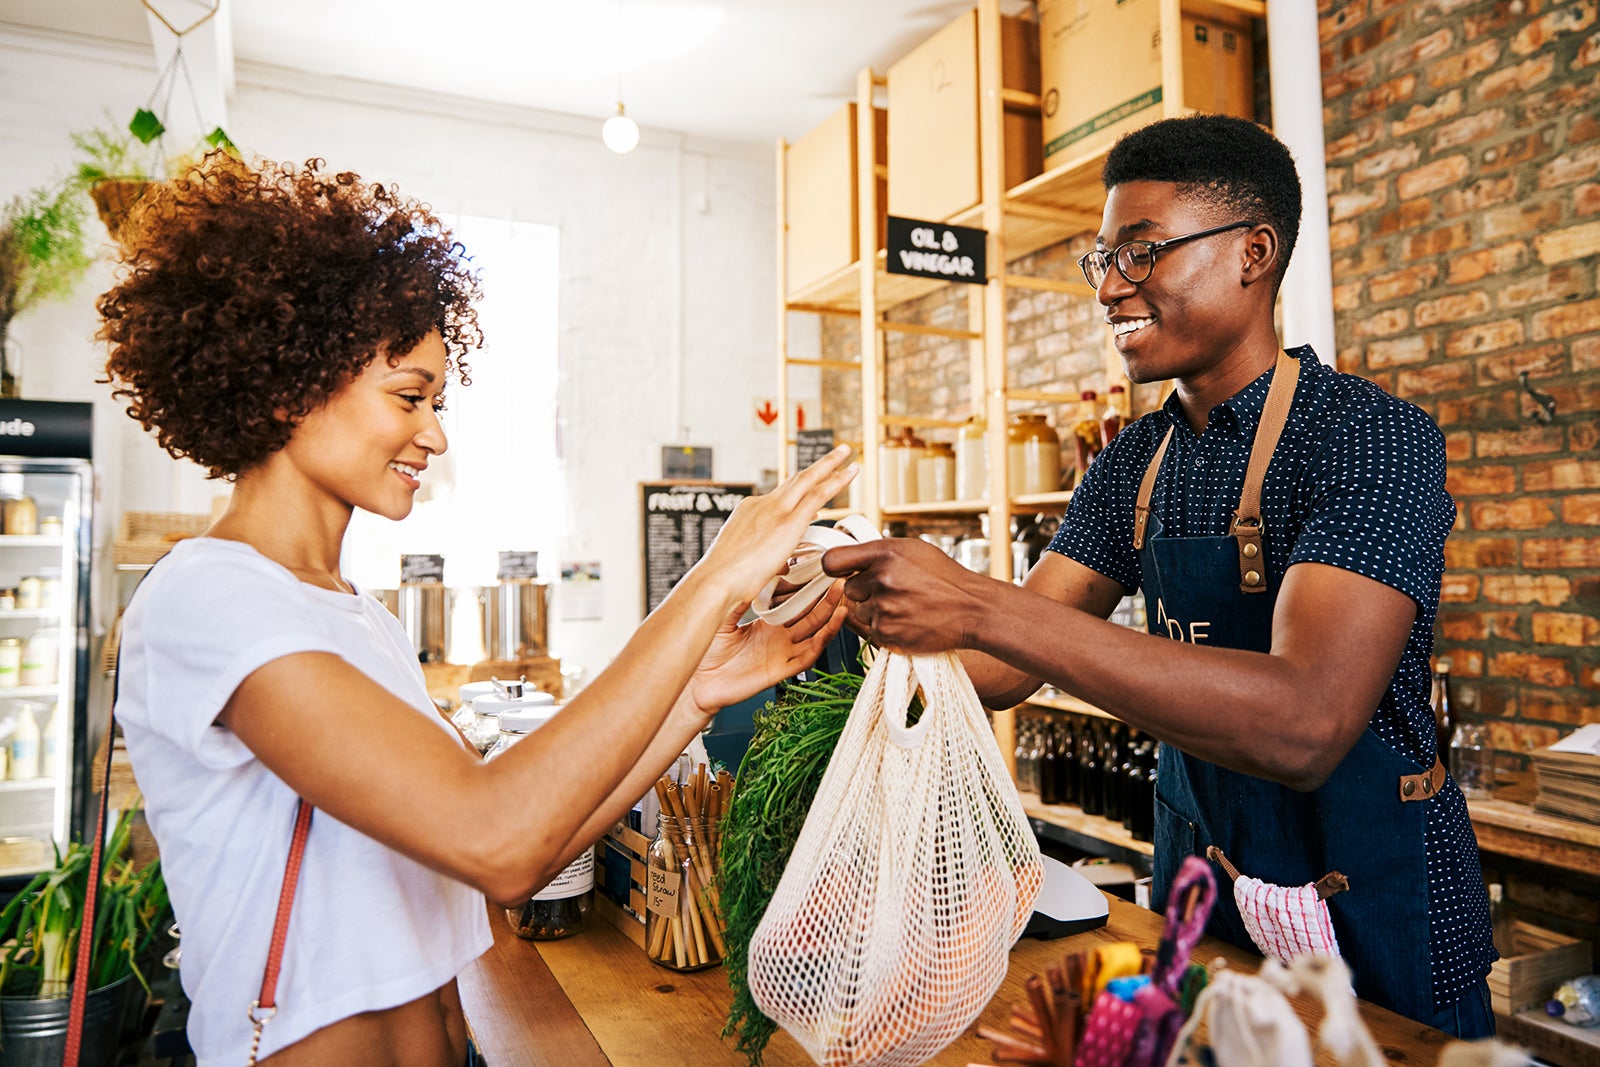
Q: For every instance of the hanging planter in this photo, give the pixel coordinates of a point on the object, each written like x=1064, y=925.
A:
x=114, y=170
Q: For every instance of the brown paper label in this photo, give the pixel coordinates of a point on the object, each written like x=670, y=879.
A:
x=662, y=892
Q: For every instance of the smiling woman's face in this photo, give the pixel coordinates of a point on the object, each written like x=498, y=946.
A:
x=368, y=445
x=1183, y=319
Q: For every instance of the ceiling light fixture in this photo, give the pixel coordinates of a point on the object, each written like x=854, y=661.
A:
x=620, y=133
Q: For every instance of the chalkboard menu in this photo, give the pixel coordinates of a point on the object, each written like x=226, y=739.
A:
x=681, y=519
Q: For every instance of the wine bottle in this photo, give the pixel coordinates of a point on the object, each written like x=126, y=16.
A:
x=1111, y=785
x=1091, y=795
x=1050, y=767
x=1444, y=723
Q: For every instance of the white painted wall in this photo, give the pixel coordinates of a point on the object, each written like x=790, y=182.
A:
x=666, y=277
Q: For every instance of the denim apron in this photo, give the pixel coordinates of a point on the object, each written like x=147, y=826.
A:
x=1366, y=821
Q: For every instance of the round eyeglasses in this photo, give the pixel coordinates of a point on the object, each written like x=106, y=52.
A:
x=1136, y=259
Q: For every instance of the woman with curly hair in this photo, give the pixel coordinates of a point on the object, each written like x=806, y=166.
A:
x=293, y=331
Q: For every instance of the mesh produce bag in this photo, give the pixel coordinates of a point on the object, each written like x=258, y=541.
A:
x=913, y=876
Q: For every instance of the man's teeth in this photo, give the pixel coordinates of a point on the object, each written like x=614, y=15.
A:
x=1128, y=326
x=409, y=472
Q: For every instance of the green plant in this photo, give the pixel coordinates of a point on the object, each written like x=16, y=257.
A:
x=41, y=926
x=793, y=740
x=43, y=252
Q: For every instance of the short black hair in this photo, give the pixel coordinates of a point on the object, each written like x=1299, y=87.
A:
x=1229, y=162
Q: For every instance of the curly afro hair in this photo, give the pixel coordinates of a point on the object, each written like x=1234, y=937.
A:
x=250, y=293
x=1230, y=163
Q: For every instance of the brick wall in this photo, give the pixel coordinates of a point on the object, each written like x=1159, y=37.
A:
x=1464, y=199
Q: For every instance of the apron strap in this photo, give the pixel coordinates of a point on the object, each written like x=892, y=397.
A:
x=1246, y=527
x=1425, y=786
x=1141, y=510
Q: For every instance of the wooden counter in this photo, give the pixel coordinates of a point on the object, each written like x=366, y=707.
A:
x=595, y=1000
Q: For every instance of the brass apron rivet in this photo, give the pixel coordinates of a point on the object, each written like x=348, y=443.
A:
x=1252, y=578
x=1409, y=788
x=1250, y=551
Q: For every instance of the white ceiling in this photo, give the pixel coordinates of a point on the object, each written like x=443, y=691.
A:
x=741, y=70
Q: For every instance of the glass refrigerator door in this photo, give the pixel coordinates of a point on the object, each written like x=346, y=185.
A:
x=43, y=655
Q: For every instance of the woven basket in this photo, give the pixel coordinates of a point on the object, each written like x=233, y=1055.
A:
x=143, y=537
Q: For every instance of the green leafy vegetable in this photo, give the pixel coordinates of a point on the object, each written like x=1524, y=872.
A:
x=793, y=740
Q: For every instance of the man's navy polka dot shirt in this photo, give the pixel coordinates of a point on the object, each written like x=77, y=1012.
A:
x=1357, y=482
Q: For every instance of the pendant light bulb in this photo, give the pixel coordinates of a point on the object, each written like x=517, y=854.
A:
x=620, y=133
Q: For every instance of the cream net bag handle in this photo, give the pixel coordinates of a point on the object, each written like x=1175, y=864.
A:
x=913, y=876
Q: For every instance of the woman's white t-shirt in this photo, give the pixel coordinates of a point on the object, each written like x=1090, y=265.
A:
x=370, y=928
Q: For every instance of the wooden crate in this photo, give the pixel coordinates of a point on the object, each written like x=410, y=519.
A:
x=1544, y=959
x=619, y=896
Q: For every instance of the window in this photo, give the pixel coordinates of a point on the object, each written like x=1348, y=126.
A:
x=500, y=485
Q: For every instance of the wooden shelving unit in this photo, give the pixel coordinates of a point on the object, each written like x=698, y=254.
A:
x=1062, y=203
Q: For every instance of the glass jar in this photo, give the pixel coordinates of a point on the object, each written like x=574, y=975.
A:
x=10, y=662
x=936, y=472
x=1472, y=761
x=20, y=516
x=486, y=710
x=28, y=593
x=1033, y=455
x=562, y=907
x=1086, y=433
x=683, y=922
x=972, y=460
x=41, y=658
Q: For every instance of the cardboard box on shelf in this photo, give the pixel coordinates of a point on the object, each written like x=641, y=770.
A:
x=934, y=151
x=820, y=184
x=1100, y=65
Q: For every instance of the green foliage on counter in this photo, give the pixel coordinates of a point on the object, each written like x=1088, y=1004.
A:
x=793, y=740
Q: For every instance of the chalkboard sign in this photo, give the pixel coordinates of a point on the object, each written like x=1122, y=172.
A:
x=421, y=568
x=514, y=565
x=810, y=446
x=681, y=519
x=935, y=250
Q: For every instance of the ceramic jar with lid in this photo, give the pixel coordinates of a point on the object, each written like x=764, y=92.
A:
x=972, y=460
x=897, y=469
x=562, y=907
x=1033, y=455
x=936, y=472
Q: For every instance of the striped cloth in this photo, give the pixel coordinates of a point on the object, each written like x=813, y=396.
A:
x=1285, y=921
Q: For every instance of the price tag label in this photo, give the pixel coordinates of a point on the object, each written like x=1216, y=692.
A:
x=421, y=568
x=661, y=894
x=514, y=565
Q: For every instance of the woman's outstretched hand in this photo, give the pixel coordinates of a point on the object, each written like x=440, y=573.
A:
x=762, y=533
x=907, y=596
x=743, y=660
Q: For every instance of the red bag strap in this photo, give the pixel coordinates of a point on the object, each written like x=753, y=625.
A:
x=265, y=1006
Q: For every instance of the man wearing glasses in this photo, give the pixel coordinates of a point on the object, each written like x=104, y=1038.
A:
x=1286, y=523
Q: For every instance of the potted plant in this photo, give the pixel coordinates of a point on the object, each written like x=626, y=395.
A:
x=40, y=929
x=42, y=255
x=111, y=172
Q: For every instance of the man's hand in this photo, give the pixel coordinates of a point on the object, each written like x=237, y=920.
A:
x=907, y=596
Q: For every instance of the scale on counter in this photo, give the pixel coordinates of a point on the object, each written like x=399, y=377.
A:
x=1068, y=904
